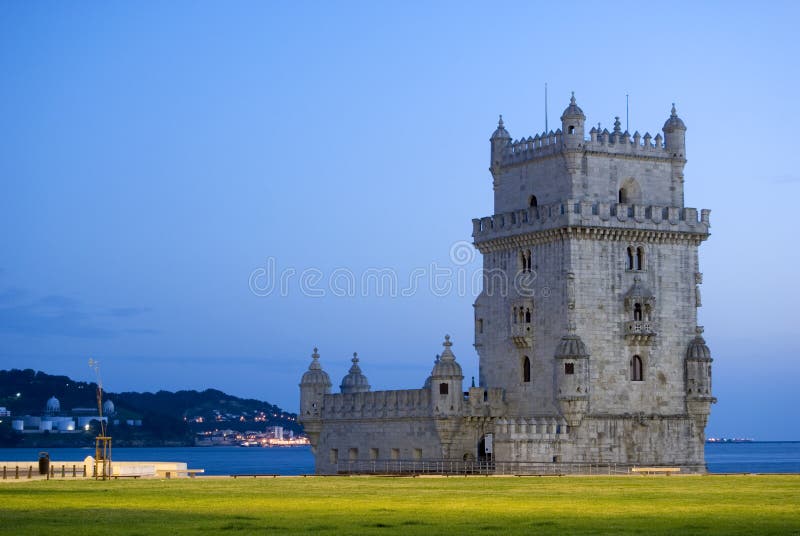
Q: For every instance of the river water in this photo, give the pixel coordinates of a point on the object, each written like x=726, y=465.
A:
x=756, y=457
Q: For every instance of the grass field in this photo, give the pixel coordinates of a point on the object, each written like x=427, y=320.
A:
x=752, y=505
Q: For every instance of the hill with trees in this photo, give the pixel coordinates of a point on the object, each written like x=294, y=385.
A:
x=140, y=419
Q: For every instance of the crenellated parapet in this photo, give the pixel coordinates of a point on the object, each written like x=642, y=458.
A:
x=377, y=404
x=550, y=143
x=539, y=146
x=576, y=213
x=481, y=402
x=508, y=152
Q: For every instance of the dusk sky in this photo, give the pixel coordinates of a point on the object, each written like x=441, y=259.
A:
x=157, y=159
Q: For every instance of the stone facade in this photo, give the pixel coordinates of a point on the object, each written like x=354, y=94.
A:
x=586, y=327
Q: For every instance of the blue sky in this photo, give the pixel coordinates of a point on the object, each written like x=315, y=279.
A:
x=155, y=156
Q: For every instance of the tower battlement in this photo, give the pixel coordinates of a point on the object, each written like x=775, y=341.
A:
x=377, y=404
x=574, y=213
x=612, y=143
x=509, y=152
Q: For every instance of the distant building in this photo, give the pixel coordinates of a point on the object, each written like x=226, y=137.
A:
x=586, y=327
x=53, y=406
x=54, y=421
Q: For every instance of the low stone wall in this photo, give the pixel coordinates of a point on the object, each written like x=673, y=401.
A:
x=13, y=470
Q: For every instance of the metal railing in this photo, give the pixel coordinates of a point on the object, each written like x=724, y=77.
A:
x=457, y=467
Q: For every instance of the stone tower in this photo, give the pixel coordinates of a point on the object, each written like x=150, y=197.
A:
x=589, y=306
x=586, y=326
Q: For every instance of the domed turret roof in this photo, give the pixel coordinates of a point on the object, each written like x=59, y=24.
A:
x=697, y=348
x=446, y=365
x=674, y=122
x=571, y=345
x=501, y=133
x=53, y=405
x=573, y=110
x=354, y=381
x=315, y=375
x=108, y=407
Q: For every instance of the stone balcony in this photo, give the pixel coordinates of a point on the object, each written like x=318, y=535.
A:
x=640, y=331
x=522, y=334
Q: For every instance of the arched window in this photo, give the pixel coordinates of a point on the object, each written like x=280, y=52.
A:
x=443, y=389
x=571, y=130
x=526, y=370
x=630, y=258
x=533, y=202
x=569, y=368
x=630, y=192
x=637, y=312
x=527, y=316
x=525, y=260
x=636, y=369
x=640, y=258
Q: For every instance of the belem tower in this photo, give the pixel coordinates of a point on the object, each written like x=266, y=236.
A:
x=586, y=326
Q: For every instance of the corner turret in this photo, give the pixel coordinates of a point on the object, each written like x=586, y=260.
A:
x=446, y=383
x=698, y=379
x=314, y=385
x=572, y=125
x=500, y=138
x=572, y=377
x=675, y=135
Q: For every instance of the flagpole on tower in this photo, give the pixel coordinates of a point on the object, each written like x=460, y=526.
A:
x=546, y=130
x=627, y=128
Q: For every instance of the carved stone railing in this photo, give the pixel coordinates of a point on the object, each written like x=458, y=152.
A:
x=522, y=334
x=640, y=331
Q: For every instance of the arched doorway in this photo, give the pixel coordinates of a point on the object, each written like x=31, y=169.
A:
x=485, y=448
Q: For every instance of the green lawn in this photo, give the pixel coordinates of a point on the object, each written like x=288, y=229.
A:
x=752, y=505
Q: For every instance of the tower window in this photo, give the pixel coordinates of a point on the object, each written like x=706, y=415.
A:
x=533, y=202
x=630, y=258
x=571, y=130
x=637, y=312
x=443, y=389
x=480, y=325
x=630, y=192
x=569, y=368
x=526, y=370
x=527, y=316
x=636, y=369
x=640, y=258
x=525, y=260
